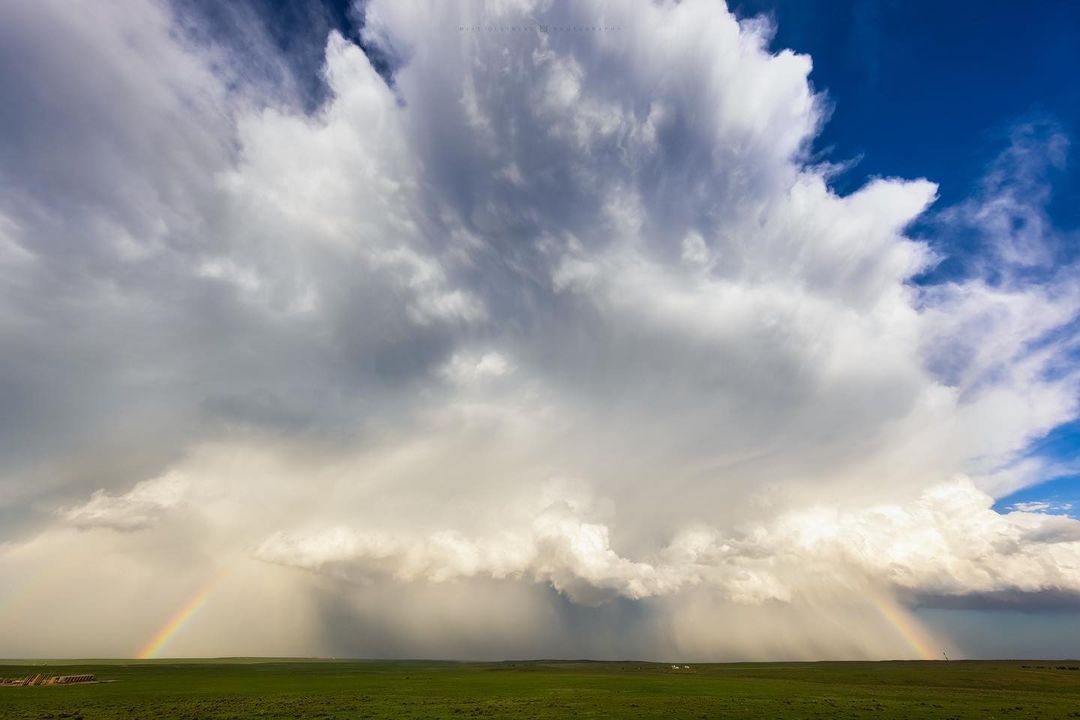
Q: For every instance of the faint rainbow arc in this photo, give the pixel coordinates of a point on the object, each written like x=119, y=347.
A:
x=912, y=633
x=179, y=619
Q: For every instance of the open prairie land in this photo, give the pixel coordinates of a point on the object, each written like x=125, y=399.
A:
x=219, y=689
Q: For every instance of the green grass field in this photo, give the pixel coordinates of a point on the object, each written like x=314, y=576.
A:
x=352, y=689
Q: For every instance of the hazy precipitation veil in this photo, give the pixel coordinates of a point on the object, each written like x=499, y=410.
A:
x=176, y=623
x=544, y=342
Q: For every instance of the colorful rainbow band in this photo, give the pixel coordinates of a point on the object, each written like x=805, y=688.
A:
x=168, y=631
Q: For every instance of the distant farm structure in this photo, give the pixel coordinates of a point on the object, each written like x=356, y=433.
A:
x=40, y=680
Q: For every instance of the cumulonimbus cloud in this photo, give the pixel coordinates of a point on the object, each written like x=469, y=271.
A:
x=362, y=338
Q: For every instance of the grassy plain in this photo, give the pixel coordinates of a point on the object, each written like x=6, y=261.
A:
x=218, y=689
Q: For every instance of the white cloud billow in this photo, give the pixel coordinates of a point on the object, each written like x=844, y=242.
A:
x=143, y=506
x=949, y=542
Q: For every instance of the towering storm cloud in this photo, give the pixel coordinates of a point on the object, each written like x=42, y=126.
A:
x=534, y=330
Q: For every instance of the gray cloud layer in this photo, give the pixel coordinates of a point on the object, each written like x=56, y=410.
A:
x=564, y=320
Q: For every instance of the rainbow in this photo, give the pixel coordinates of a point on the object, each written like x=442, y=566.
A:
x=906, y=626
x=179, y=619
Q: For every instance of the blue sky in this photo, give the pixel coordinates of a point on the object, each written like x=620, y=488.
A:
x=637, y=330
x=1060, y=492
x=931, y=89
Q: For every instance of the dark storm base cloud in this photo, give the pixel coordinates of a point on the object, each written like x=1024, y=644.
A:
x=1064, y=600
